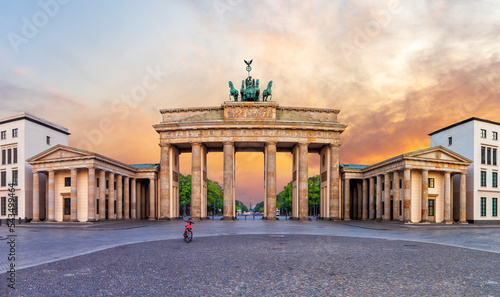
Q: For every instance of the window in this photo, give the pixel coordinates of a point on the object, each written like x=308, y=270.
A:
x=494, y=156
x=488, y=156
x=4, y=179
x=495, y=135
x=431, y=182
x=97, y=206
x=494, y=207
x=483, y=178
x=97, y=182
x=67, y=181
x=14, y=150
x=383, y=208
x=4, y=206
x=3, y=156
x=9, y=156
x=391, y=184
x=483, y=133
x=14, y=177
x=450, y=140
x=483, y=155
x=483, y=206
x=4, y=134
x=400, y=183
x=430, y=204
x=67, y=206
x=494, y=179
x=14, y=210
x=15, y=132
x=107, y=184
x=48, y=140
x=400, y=207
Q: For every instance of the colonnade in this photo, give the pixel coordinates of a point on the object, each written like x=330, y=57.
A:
x=169, y=186
x=370, y=197
x=127, y=197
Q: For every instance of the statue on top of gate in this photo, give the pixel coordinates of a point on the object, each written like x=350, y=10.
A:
x=250, y=89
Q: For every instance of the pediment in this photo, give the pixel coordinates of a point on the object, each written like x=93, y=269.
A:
x=59, y=152
x=438, y=153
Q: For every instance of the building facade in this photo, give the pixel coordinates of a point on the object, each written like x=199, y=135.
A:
x=476, y=139
x=414, y=187
x=22, y=136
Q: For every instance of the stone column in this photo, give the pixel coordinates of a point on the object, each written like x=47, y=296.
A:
x=347, y=199
x=395, y=182
x=303, y=182
x=334, y=182
x=371, y=211
x=447, y=199
x=152, y=199
x=91, y=195
x=196, y=176
x=379, y=198
x=360, y=200
x=463, y=204
x=119, y=197
x=165, y=180
x=102, y=195
x=36, y=197
x=271, y=180
x=126, y=198
x=364, y=215
x=387, y=198
x=111, y=196
x=407, y=196
x=52, y=198
x=138, y=200
x=133, y=199
x=425, y=196
x=143, y=201
x=228, y=180
x=74, y=195
x=354, y=205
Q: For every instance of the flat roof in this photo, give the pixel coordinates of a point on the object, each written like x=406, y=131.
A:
x=34, y=119
x=463, y=122
x=146, y=166
x=353, y=166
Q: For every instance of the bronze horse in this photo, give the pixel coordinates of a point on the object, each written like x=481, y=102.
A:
x=267, y=92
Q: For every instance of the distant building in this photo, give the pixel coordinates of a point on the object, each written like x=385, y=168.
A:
x=476, y=139
x=22, y=136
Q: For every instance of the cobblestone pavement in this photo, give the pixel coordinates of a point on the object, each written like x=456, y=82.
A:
x=38, y=244
x=268, y=265
x=44, y=243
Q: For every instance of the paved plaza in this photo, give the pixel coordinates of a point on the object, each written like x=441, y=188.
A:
x=254, y=257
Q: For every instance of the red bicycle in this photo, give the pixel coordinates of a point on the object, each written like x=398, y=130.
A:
x=188, y=232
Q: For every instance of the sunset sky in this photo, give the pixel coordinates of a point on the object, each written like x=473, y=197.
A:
x=397, y=70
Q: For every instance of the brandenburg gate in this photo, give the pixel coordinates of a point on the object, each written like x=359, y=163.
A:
x=257, y=124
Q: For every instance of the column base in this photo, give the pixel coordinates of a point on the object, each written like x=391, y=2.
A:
x=126, y=219
x=228, y=218
x=151, y=219
x=35, y=221
x=119, y=219
x=386, y=220
x=378, y=220
x=347, y=219
x=397, y=221
x=75, y=221
x=424, y=222
x=447, y=222
x=463, y=222
x=407, y=222
x=51, y=221
x=91, y=220
x=111, y=219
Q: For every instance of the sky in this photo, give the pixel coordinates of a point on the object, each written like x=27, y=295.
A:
x=397, y=70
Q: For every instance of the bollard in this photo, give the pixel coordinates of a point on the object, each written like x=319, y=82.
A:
x=245, y=217
x=19, y=220
x=25, y=220
x=253, y=217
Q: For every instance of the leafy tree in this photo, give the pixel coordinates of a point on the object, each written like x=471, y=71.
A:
x=259, y=206
x=240, y=205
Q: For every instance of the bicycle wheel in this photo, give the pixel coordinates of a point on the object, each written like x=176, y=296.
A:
x=189, y=236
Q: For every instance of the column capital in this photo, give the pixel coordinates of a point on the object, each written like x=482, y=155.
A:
x=164, y=143
x=228, y=142
x=335, y=145
x=271, y=142
x=196, y=143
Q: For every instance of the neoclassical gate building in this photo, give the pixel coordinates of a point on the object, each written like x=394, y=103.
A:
x=250, y=126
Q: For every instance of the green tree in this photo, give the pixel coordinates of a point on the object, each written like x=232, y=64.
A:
x=240, y=205
x=259, y=206
x=314, y=186
x=184, y=191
